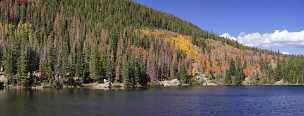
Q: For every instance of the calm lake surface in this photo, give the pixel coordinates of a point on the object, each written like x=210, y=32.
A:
x=211, y=101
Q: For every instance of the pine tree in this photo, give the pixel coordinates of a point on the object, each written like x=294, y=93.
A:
x=22, y=67
x=45, y=69
x=102, y=69
x=230, y=76
x=136, y=73
x=239, y=75
x=125, y=72
x=93, y=65
x=110, y=68
x=182, y=74
x=8, y=62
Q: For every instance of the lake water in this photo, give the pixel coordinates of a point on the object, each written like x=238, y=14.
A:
x=211, y=101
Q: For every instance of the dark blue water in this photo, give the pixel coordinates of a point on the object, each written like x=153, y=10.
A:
x=212, y=101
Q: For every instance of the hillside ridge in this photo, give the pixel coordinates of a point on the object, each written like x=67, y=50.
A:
x=62, y=43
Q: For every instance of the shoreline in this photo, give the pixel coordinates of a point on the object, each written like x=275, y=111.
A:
x=136, y=88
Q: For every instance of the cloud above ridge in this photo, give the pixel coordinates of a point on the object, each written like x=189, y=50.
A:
x=276, y=39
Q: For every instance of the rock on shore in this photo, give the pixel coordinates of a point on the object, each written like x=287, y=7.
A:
x=3, y=80
x=281, y=82
x=170, y=83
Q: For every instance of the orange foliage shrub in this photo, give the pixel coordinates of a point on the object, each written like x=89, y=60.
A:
x=224, y=67
x=138, y=51
x=215, y=69
x=250, y=70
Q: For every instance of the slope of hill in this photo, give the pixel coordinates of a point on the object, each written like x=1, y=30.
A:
x=63, y=42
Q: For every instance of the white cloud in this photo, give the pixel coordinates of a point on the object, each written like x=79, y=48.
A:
x=275, y=39
x=286, y=53
x=227, y=35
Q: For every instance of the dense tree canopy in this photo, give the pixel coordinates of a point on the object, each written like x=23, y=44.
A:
x=122, y=41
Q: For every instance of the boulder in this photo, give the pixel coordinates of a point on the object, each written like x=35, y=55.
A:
x=37, y=74
x=210, y=83
x=106, y=85
x=155, y=83
x=281, y=82
x=170, y=83
x=201, y=78
x=3, y=80
x=248, y=81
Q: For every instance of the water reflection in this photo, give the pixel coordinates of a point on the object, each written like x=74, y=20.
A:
x=215, y=101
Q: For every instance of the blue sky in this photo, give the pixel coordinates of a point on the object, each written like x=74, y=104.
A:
x=271, y=24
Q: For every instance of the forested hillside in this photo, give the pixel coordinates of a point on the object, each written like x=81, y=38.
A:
x=62, y=42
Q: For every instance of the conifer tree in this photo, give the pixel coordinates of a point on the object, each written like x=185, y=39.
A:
x=125, y=72
x=22, y=66
x=182, y=74
x=93, y=65
x=230, y=73
x=8, y=62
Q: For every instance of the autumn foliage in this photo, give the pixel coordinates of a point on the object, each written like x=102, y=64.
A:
x=250, y=70
x=124, y=42
x=138, y=51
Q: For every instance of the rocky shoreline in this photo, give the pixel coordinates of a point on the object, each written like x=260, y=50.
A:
x=163, y=84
